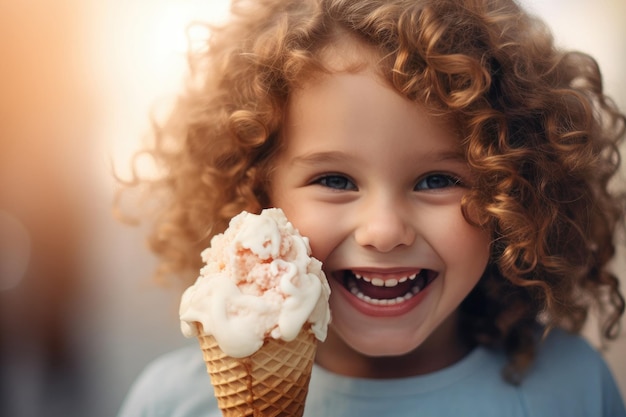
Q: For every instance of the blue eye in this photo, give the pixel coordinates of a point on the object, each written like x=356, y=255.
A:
x=337, y=182
x=437, y=181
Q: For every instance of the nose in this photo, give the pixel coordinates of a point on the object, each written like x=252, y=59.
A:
x=384, y=226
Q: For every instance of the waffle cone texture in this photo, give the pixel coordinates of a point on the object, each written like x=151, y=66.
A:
x=272, y=382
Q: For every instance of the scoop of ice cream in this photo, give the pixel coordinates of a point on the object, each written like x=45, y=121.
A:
x=258, y=281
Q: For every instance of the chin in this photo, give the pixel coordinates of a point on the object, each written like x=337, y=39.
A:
x=381, y=344
x=385, y=351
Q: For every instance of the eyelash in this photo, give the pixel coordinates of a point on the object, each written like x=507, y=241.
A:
x=451, y=181
x=324, y=182
x=348, y=185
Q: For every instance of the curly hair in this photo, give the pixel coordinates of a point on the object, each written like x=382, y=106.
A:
x=538, y=133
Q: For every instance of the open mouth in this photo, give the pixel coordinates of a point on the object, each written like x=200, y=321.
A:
x=387, y=291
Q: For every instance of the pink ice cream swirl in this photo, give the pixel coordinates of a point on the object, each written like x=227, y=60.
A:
x=259, y=281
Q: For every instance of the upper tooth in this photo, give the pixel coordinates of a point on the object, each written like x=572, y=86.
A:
x=377, y=282
x=366, y=279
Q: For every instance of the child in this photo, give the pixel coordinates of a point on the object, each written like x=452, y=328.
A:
x=450, y=168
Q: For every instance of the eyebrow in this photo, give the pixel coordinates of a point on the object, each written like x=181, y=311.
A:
x=454, y=156
x=336, y=156
x=319, y=157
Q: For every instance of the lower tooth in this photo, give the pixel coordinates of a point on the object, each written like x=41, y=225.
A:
x=382, y=301
x=355, y=291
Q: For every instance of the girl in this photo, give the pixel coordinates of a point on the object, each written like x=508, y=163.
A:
x=450, y=168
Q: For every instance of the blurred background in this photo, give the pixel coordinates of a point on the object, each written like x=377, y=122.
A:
x=78, y=81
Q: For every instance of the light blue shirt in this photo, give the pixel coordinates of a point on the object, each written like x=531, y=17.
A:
x=568, y=379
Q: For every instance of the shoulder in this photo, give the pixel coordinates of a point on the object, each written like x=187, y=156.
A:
x=562, y=353
x=569, y=371
x=175, y=384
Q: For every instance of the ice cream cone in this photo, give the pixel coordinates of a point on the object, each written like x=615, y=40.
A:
x=265, y=298
x=271, y=382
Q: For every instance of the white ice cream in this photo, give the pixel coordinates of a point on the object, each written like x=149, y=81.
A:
x=259, y=281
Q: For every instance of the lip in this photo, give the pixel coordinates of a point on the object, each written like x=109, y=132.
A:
x=372, y=310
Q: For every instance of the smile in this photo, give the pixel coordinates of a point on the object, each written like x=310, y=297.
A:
x=387, y=291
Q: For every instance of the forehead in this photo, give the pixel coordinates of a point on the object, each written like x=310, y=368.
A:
x=346, y=65
x=355, y=112
x=345, y=55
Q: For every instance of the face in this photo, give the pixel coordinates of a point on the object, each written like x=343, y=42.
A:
x=376, y=185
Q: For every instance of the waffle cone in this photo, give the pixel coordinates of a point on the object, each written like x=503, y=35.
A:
x=272, y=382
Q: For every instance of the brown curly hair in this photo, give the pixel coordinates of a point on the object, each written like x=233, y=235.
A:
x=538, y=133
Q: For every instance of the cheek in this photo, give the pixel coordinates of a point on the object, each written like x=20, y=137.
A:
x=469, y=252
x=310, y=224
x=460, y=244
